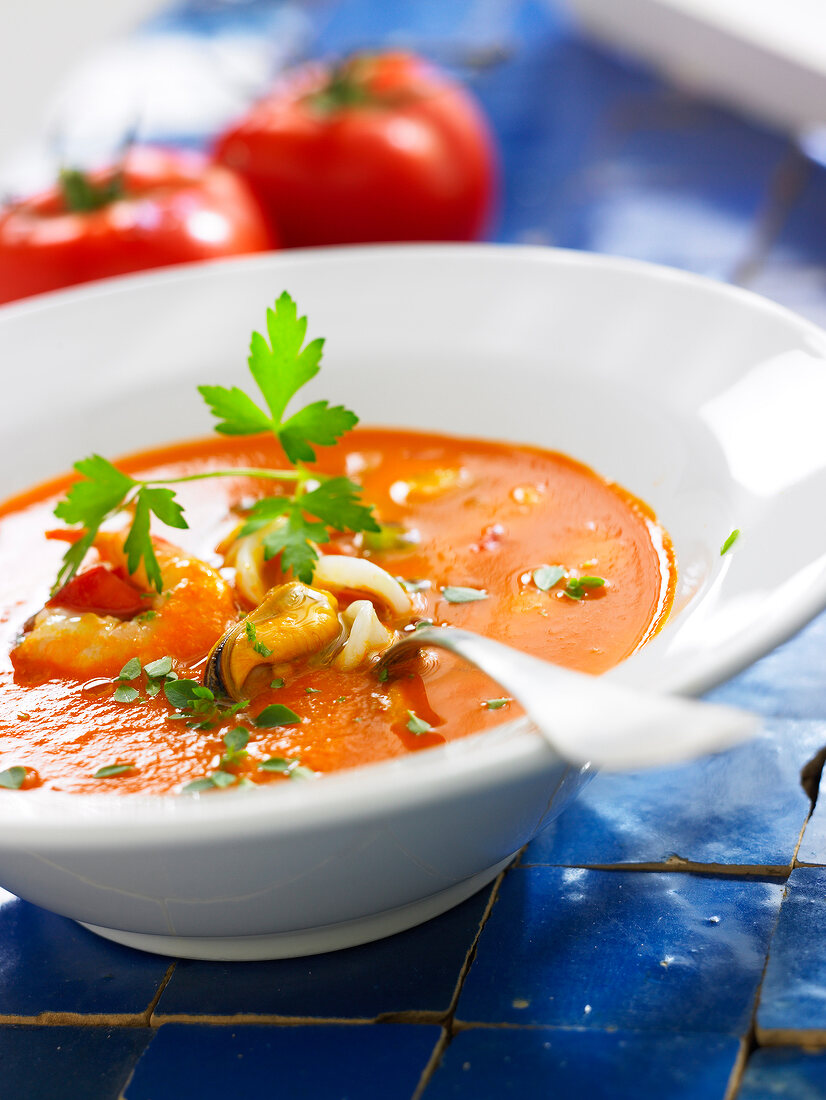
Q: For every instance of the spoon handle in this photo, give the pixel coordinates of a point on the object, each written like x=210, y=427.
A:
x=588, y=719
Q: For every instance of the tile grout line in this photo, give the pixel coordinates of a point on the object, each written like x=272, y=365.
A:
x=153, y=1004
x=449, y=1016
x=677, y=865
x=750, y=1039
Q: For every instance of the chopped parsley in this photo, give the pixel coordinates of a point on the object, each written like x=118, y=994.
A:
x=131, y=670
x=252, y=638
x=197, y=705
x=13, y=778
x=730, y=541
x=576, y=588
x=546, y=576
x=292, y=768
x=458, y=594
x=157, y=670
x=235, y=742
x=417, y=725
x=276, y=714
x=496, y=704
x=126, y=694
x=110, y=770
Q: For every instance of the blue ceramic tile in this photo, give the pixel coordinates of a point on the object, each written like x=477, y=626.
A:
x=793, y=996
x=414, y=971
x=380, y=1062
x=68, y=1063
x=744, y=807
x=789, y=682
x=784, y=1074
x=614, y=949
x=51, y=964
x=536, y=1064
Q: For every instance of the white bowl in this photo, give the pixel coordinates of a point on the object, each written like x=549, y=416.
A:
x=702, y=399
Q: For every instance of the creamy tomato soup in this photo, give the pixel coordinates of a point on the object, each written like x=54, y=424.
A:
x=519, y=543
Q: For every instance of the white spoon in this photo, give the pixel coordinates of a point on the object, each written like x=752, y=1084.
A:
x=587, y=719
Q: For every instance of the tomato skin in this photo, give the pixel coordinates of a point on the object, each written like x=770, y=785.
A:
x=177, y=208
x=414, y=160
x=100, y=589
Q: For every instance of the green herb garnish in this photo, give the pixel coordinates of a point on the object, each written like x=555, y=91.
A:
x=292, y=768
x=496, y=704
x=277, y=682
x=252, y=638
x=417, y=725
x=414, y=586
x=157, y=670
x=235, y=742
x=576, y=587
x=280, y=368
x=546, y=576
x=208, y=782
x=276, y=715
x=457, y=594
x=109, y=770
x=13, y=778
x=131, y=670
x=126, y=694
x=730, y=541
x=197, y=704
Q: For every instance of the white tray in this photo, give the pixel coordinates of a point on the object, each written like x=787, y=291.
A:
x=766, y=57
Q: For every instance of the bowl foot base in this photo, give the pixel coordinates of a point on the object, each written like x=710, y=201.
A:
x=306, y=941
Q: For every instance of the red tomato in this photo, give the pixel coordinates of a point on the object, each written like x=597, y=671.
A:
x=100, y=589
x=164, y=207
x=382, y=148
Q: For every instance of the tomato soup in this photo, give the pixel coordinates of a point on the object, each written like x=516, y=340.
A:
x=525, y=545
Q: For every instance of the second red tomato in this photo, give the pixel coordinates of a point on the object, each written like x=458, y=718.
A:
x=381, y=148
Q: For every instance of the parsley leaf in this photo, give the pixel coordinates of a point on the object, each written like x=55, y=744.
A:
x=458, y=594
x=92, y=499
x=276, y=714
x=157, y=669
x=337, y=502
x=292, y=768
x=13, y=778
x=113, y=769
x=280, y=368
x=546, y=576
x=236, y=412
x=252, y=638
x=417, y=725
x=131, y=670
x=124, y=694
x=293, y=540
x=730, y=541
x=496, y=704
x=317, y=423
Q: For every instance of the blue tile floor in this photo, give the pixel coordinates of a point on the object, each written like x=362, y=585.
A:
x=623, y=956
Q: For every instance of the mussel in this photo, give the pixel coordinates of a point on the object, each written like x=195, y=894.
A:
x=293, y=621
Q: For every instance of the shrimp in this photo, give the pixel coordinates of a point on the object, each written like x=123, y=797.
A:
x=183, y=621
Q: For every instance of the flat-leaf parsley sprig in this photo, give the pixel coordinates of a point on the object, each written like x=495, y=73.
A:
x=280, y=368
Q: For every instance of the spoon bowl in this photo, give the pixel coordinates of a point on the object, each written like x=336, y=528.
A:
x=588, y=719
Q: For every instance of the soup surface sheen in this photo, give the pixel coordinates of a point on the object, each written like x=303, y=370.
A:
x=483, y=515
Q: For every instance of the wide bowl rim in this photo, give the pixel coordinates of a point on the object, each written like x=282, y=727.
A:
x=499, y=755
